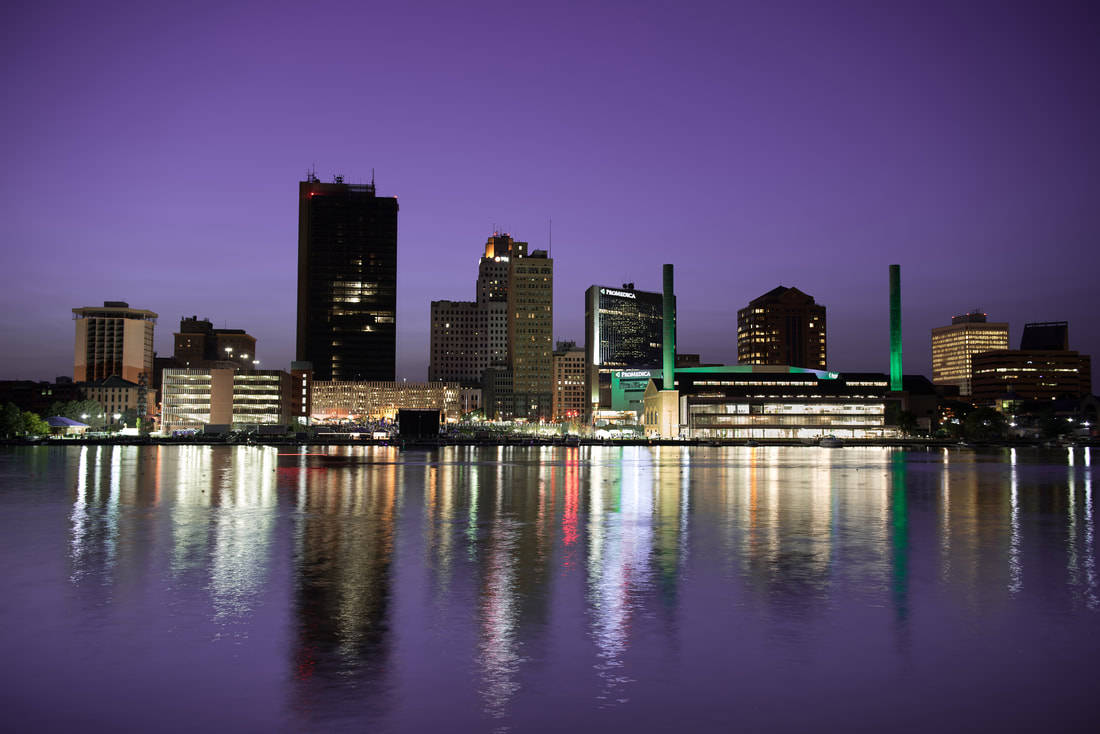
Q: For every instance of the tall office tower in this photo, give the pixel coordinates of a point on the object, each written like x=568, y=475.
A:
x=531, y=333
x=198, y=342
x=954, y=345
x=568, y=400
x=467, y=337
x=782, y=327
x=347, y=280
x=624, y=329
x=113, y=340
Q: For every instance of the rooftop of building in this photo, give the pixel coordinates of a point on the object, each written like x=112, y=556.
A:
x=784, y=295
x=974, y=317
x=1047, y=335
x=114, y=381
x=114, y=309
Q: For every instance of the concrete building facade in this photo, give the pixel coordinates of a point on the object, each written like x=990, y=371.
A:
x=194, y=398
x=113, y=340
x=568, y=400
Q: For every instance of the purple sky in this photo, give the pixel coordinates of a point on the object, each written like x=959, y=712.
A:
x=152, y=155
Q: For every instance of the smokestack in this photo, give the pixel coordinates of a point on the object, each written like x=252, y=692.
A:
x=895, y=327
x=669, y=337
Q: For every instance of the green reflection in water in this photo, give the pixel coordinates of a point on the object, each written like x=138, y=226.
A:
x=899, y=535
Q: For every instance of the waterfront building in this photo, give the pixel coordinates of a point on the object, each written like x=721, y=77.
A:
x=301, y=387
x=113, y=340
x=193, y=398
x=771, y=401
x=120, y=397
x=347, y=280
x=568, y=399
x=1043, y=368
x=782, y=327
x=339, y=400
x=953, y=347
x=1035, y=374
x=624, y=329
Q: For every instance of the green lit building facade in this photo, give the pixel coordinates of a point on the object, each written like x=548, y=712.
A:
x=624, y=329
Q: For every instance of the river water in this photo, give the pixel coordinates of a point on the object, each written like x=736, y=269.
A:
x=170, y=588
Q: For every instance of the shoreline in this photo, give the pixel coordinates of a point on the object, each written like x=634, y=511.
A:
x=914, y=443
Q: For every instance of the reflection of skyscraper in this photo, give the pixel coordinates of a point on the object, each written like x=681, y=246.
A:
x=344, y=577
x=347, y=280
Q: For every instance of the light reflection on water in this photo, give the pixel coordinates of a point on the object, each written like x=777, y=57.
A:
x=498, y=588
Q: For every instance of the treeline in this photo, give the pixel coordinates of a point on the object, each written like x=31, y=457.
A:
x=15, y=423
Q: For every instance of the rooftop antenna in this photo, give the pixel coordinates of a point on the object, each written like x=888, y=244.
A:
x=550, y=241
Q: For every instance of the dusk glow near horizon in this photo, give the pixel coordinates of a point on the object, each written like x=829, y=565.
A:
x=154, y=154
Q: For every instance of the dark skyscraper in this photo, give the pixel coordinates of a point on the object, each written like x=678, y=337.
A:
x=347, y=280
x=782, y=327
x=624, y=329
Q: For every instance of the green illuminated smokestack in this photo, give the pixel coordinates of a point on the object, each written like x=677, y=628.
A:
x=895, y=327
x=669, y=338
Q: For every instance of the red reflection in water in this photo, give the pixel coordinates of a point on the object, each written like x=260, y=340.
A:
x=572, y=499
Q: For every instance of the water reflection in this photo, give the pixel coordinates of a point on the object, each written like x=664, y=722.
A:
x=347, y=510
x=496, y=551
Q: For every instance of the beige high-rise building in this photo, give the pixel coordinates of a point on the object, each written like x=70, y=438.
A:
x=953, y=347
x=531, y=334
x=568, y=399
x=113, y=340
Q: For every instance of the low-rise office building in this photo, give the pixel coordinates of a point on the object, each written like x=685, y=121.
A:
x=121, y=397
x=758, y=401
x=340, y=400
x=194, y=398
x=1033, y=374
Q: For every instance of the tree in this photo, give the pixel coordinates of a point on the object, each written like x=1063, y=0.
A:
x=907, y=422
x=985, y=424
x=11, y=421
x=33, y=425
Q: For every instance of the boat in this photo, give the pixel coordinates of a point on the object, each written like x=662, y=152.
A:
x=830, y=442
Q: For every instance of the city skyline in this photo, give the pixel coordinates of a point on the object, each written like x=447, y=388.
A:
x=792, y=146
